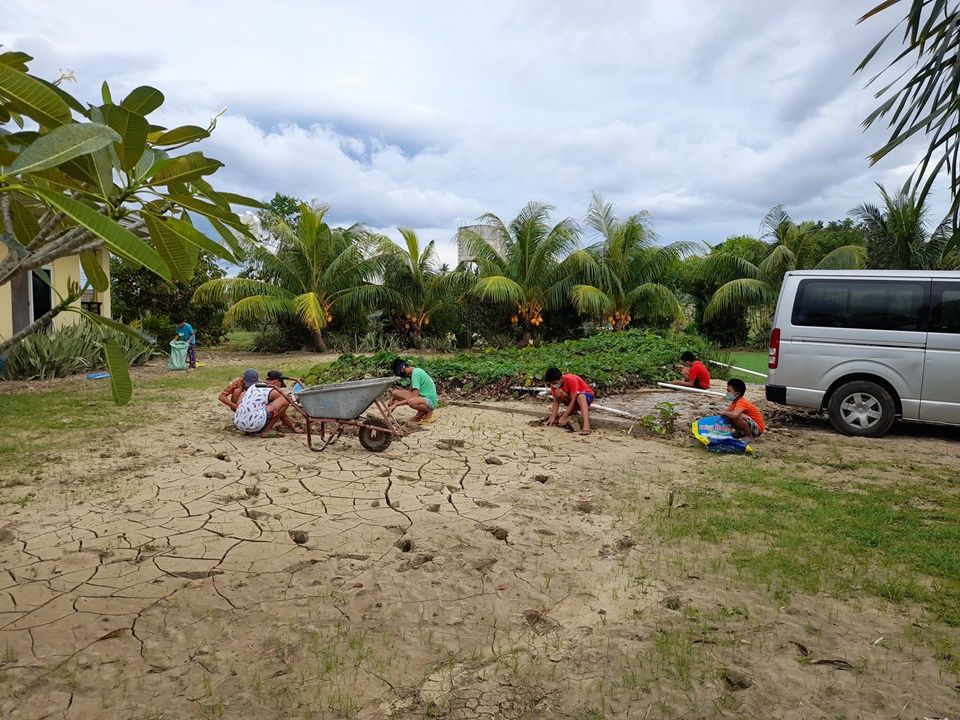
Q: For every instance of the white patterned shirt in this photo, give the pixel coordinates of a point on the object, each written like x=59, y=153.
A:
x=251, y=414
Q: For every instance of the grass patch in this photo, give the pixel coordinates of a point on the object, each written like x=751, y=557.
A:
x=786, y=532
x=749, y=359
x=38, y=425
x=610, y=361
x=236, y=341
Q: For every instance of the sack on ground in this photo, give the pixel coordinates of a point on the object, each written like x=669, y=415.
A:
x=717, y=435
x=178, y=355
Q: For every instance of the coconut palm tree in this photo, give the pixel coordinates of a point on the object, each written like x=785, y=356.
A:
x=315, y=273
x=420, y=286
x=526, y=266
x=626, y=268
x=897, y=234
x=746, y=285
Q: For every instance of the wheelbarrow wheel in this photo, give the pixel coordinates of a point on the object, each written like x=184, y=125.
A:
x=374, y=436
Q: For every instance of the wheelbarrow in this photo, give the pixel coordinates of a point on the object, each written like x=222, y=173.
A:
x=341, y=405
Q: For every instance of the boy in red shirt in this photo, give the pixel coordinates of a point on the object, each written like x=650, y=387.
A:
x=743, y=415
x=695, y=373
x=575, y=395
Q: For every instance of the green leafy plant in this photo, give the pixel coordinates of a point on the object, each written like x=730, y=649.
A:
x=611, y=362
x=89, y=179
x=72, y=349
x=663, y=419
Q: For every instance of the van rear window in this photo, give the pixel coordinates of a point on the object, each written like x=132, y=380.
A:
x=866, y=304
x=945, y=308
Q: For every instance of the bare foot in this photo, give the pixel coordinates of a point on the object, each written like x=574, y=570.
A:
x=585, y=431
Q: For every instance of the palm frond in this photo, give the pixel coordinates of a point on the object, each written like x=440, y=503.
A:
x=590, y=300
x=600, y=216
x=775, y=223
x=226, y=290
x=846, y=257
x=780, y=260
x=499, y=289
x=258, y=307
x=737, y=296
x=724, y=267
x=309, y=308
x=654, y=299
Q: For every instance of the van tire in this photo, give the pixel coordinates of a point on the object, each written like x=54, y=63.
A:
x=862, y=408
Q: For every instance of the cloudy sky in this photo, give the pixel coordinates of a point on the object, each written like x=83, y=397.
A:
x=428, y=114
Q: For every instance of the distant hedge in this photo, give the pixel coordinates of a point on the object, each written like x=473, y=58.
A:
x=610, y=362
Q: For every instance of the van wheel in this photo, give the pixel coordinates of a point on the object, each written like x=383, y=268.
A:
x=862, y=408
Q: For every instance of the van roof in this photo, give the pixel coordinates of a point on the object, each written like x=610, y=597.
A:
x=935, y=274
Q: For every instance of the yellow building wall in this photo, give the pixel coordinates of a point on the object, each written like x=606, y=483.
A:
x=63, y=270
x=6, y=303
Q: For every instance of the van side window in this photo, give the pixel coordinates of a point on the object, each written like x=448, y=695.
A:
x=866, y=304
x=945, y=308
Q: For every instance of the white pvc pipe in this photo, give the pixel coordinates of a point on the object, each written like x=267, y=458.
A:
x=734, y=367
x=690, y=389
x=613, y=411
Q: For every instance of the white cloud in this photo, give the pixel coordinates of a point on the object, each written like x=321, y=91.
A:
x=426, y=114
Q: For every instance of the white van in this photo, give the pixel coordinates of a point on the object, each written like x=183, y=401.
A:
x=868, y=346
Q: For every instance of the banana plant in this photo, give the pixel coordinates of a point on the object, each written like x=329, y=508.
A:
x=76, y=178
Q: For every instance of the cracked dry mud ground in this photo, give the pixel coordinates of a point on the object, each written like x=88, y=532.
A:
x=165, y=581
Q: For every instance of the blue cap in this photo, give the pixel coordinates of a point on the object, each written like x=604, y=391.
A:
x=250, y=377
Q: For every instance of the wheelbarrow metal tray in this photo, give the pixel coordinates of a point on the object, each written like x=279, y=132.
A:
x=342, y=401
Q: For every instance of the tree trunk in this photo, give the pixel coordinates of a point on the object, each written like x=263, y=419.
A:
x=319, y=344
x=417, y=338
x=525, y=338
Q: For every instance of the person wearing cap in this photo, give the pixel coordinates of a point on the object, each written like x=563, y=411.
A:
x=422, y=395
x=231, y=394
x=281, y=378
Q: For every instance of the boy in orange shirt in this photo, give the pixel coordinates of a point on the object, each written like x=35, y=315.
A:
x=574, y=394
x=743, y=415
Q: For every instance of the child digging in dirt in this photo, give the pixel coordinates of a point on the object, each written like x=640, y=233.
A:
x=742, y=414
x=422, y=395
x=574, y=394
x=262, y=406
x=695, y=373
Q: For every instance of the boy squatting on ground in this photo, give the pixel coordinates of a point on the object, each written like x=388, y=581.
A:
x=742, y=414
x=263, y=405
x=573, y=393
x=695, y=373
x=422, y=395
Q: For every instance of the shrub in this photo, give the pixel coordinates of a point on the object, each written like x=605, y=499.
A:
x=72, y=349
x=611, y=362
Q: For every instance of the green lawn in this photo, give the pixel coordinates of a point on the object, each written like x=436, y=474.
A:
x=82, y=414
x=755, y=360
x=236, y=341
